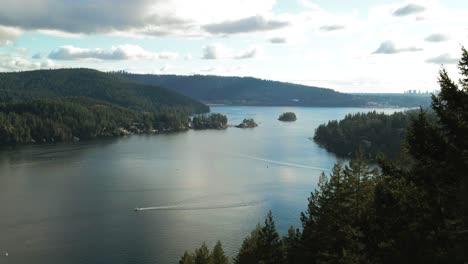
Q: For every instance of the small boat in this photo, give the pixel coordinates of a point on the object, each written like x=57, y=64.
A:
x=136, y=209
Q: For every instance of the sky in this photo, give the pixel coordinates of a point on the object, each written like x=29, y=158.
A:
x=349, y=46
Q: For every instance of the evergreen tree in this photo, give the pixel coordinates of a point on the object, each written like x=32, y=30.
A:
x=263, y=245
x=218, y=256
x=202, y=255
x=292, y=245
x=187, y=258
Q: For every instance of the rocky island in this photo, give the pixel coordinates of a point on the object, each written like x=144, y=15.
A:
x=288, y=117
x=247, y=123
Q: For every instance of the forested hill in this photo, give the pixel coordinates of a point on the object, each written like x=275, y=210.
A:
x=74, y=104
x=111, y=88
x=252, y=91
x=248, y=91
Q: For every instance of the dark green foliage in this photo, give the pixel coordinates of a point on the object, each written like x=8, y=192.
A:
x=292, y=243
x=218, y=256
x=65, y=119
x=249, y=91
x=210, y=121
x=337, y=218
x=373, y=132
x=288, y=116
x=203, y=255
x=264, y=245
x=67, y=104
x=247, y=123
x=187, y=258
x=252, y=91
x=115, y=89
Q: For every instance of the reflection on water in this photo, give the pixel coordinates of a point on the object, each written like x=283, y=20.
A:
x=74, y=203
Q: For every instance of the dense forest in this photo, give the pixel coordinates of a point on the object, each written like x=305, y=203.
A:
x=73, y=104
x=374, y=132
x=288, y=117
x=210, y=121
x=40, y=84
x=253, y=91
x=411, y=211
x=75, y=118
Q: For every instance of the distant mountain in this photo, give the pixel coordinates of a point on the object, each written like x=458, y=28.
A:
x=248, y=91
x=23, y=86
x=253, y=91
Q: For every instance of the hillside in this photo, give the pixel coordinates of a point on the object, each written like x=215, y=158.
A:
x=29, y=85
x=74, y=104
x=248, y=91
x=253, y=91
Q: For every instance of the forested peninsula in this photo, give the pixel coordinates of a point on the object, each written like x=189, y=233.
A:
x=373, y=132
x=74, y=104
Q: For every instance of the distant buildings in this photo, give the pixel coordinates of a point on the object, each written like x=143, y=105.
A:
x=418, y=92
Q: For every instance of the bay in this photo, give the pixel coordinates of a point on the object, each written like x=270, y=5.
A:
x=73, y=203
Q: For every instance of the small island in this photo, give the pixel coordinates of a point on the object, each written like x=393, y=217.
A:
x=288, y=117
x=211, y=121
x=247, y=123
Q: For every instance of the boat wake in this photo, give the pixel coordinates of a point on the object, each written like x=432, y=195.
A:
x=280, y=162
x=203, y=207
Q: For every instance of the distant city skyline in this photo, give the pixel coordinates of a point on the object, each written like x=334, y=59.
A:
x=369, y=46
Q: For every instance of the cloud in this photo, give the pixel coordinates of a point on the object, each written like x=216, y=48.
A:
x=188, y=56
x=308, y=4
x=245, y=25
x=278, y=40
x=8, y=35
x=16, y=63
x=85, y=16
x=445, y=58
x=121, y=52
x=37, y=56
x=388, y=47
x=437, y=38
x=150, y=17
x=409, y=9
x=218, y=51
x=213, y=52
x=247, y=54
x=332, y=27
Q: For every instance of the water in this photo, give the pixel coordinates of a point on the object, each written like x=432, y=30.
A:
x=73, y=203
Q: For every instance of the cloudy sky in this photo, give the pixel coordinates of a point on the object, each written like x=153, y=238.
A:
x=350, y=46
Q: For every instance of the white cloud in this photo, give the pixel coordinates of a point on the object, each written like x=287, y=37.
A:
x=333, y=27
x=150, y=17
x=409, y=9
x=245, y=25
x=445, y=58
x=278, y=40
x=309, y=4
x=37, y=56
x=8, y=35
x=120, y=52
x=218, y=51
x=437, y=38
x=388, y=47
x=18, y=63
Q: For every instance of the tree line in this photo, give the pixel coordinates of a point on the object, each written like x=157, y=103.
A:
x=66, y=119
x=407, y=211
x=374, y=132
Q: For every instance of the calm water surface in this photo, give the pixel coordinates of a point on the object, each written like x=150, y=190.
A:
x=73, y=203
